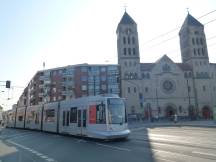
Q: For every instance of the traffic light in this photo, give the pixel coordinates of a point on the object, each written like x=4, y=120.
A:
x=8, y=83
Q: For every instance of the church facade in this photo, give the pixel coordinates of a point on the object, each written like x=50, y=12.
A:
x=164, y=88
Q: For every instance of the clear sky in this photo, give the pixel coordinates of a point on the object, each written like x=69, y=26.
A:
x=66, y=32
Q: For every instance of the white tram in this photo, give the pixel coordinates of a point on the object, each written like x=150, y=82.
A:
x=102, y=117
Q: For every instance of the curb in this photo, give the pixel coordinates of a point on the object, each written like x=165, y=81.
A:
x=150, y=125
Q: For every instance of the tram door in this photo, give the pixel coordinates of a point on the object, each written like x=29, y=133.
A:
x=82, y=121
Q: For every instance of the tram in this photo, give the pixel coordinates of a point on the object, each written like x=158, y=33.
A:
x=102, y=117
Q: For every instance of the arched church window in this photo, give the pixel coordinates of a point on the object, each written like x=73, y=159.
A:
x=201, y=41
x=203, y=51
x=133, y=40
x=185, y=75
x=193, y=41
x=198, y=51
x=128, y=40
x=124, y=40
x=197, y=41
x=135, y=75
x=134, y=51
x=129, y=51
x=194, y=51
x=125, y=51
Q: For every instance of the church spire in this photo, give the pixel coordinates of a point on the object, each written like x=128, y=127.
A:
x=126, y=19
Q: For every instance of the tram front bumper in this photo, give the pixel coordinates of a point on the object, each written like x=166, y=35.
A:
x=111, y=134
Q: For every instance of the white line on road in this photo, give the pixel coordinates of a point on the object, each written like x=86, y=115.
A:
x=113, y=147
x=32, y=151
x=203, y=153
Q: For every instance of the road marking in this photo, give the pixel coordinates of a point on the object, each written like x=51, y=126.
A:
x=113, y=147
x=32, y=151
x=203, y=153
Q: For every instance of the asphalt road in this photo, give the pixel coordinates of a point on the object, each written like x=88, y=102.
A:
x=158, y=144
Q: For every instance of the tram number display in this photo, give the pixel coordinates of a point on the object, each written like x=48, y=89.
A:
x=92, y=114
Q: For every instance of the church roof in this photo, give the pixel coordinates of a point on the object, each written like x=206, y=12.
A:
x=191, y=21
x=126, y=19
x=149, y=66
x=146, y=66
x=184, y=66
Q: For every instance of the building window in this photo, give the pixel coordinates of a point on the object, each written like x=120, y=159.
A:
x=198, y=51
x=203, y=51
x=129, y=51
x=133, y=40
x=128, y=40
x=201, y=41
x=197, y=41
x=193, y=41
x=134, y=51
x=103, y=78
x=196, y=32
x=128, y=89
x=125, y=51
x=204, y=88
x=83, y=78
x=103, y=69
x=84, y=87
x=84, y=69
x=124, y=40
x=146, y=89
x=194, y=51
x=134, y=89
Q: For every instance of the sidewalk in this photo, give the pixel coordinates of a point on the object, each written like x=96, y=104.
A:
x=195, y=123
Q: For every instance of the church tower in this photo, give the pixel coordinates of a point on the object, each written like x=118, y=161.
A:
x=194, y=53
x=128, y=48
x=193, y=46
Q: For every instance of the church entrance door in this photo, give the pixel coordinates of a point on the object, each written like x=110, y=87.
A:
x=206, y=113
x=170, y=112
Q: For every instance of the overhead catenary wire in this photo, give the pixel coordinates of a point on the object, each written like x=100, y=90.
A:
x=172, y=30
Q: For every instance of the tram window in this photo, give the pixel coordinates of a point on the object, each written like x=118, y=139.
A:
x=100, y=114
x=20, y=118
x=68, y=115
x=63, y=122
x=73, y=115
x=50, y=115
x=84, y=118
x=37, y=118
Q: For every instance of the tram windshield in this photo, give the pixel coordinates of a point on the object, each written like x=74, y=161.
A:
x=116, y=111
